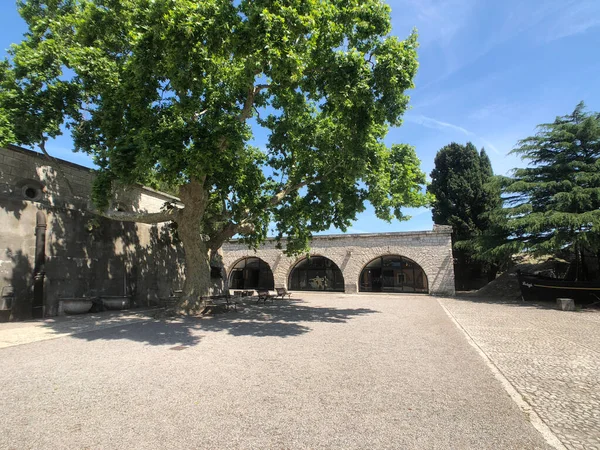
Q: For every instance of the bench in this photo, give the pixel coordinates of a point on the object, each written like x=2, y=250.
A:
x=282, y=292
x=242, y=293
x=211, y=302
x=230, y=303
x=264, y=295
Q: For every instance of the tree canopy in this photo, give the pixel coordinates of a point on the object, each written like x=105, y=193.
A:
x=554, y=203
x=458, y=184
x=168, y=93
x=463, y=199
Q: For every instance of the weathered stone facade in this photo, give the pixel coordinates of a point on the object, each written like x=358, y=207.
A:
x=85, y=254
x=432, y=250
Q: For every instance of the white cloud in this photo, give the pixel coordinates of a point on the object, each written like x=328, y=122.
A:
x=438, y=21
x=436, y=124
x=430, y=122
x=575, y=18
x=548, y=20
x=416, y=212
x=488, y=111
x=447, y=23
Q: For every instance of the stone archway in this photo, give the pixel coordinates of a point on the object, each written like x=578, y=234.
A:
x=393, y=274
x=431, y=250
x=361, y=257
x=316, y=273
x=251, y=273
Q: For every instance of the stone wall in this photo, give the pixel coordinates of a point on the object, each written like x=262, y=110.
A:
x=432, y=250
x=85, y=254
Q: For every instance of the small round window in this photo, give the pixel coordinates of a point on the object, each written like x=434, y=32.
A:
x=30, y=192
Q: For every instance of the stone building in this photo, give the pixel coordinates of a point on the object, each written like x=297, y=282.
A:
x=84, y=254
x=47, y=228
x=406, y=262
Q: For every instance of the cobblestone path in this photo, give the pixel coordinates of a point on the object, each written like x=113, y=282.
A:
x=551, y=357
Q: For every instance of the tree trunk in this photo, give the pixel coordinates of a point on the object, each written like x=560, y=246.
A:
x=197, y=267
x=197, y=284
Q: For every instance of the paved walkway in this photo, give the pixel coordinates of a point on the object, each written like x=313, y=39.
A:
x=330, y=371
x=551, y=357
x=18, y=333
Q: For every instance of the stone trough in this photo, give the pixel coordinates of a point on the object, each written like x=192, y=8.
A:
x=76, y=305
x=115, y=302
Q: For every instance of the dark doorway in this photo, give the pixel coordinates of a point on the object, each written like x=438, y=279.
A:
x=393, y=273
x=251, y=273
x=316, y=273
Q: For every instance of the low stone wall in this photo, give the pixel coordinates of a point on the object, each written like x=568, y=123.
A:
x=432, y=250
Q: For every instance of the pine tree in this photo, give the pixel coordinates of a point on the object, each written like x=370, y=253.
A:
x=554, y=204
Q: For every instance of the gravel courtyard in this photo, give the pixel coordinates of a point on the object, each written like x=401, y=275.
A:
x=321, y=371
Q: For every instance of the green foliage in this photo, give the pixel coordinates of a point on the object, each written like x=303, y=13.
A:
x=6, y=129
x=101, y=189
x=554, y=204
x=459, y=184
x=464, y=199
x=161, y=92
x=6, y=133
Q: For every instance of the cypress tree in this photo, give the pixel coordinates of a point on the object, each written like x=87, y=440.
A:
x=486, y=164
x=462, y=199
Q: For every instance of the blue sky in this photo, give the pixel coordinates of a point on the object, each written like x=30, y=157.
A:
x=489, y=73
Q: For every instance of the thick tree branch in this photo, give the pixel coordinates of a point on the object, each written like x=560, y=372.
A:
x=228, y=231
x=277, y=198
x=55, y=164
x=246, y=112
x=219, y=218
x=249, y=105
x=141, y=217
x=245, y=227
x=194, y=193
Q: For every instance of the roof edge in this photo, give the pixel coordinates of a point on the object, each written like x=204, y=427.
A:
x=436, y=232
x=37, y=154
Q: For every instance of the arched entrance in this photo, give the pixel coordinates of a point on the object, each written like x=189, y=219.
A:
x=316, y=273
x=251, y=273
x=393, y=273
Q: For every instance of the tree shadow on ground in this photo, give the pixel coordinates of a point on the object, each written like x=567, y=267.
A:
x=152, y=332
x=282, y=318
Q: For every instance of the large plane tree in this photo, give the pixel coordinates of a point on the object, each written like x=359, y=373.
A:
x=172, y=93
